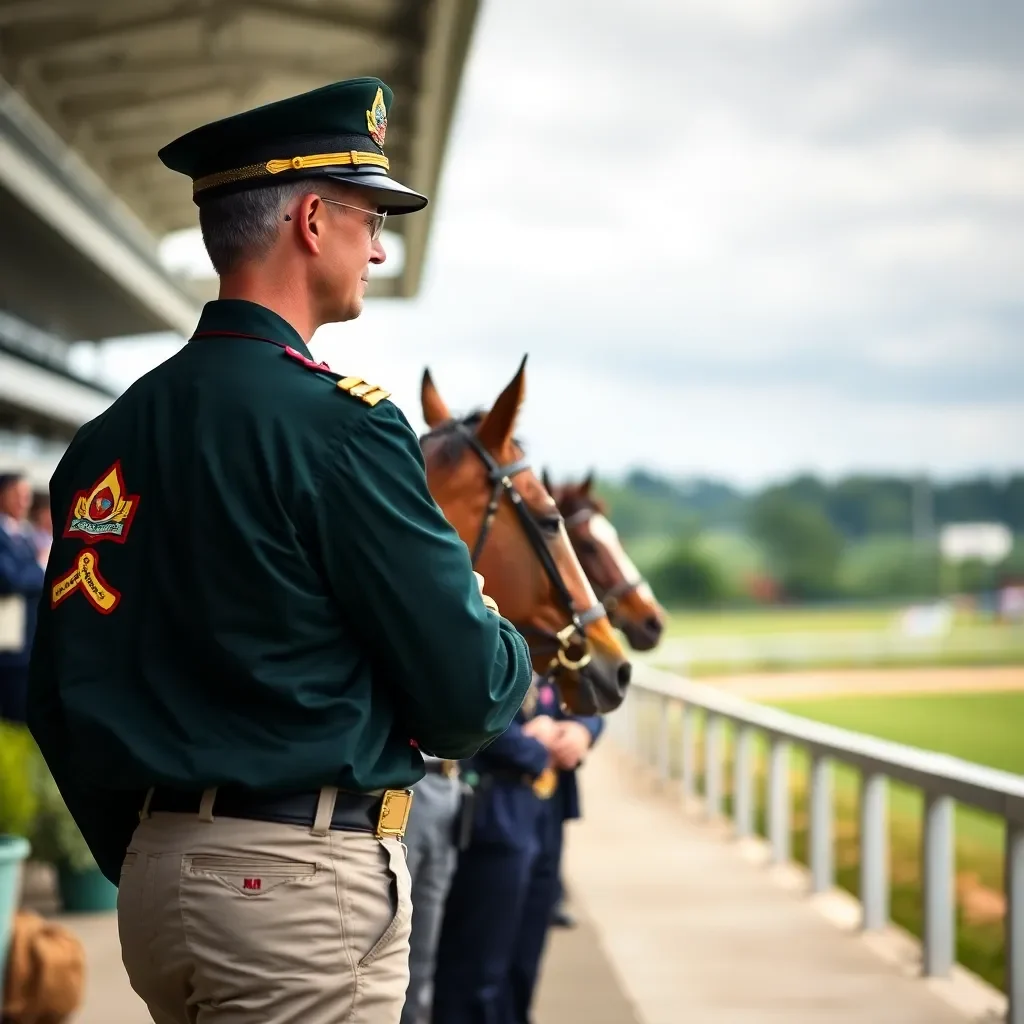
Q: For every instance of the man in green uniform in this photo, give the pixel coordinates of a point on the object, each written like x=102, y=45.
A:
x=255, y=617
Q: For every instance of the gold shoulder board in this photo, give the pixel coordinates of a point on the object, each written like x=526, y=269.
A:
x=368, y=393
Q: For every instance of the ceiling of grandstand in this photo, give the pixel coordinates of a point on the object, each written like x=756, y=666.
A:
x=116, y=80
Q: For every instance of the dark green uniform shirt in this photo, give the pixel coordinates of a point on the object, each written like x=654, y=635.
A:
x=250, y=583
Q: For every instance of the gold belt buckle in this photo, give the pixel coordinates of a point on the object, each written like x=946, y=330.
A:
x=450, y=769
x=394, y=813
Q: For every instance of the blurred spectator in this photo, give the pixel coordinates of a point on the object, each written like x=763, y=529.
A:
x=42, y=526
x=21, y=582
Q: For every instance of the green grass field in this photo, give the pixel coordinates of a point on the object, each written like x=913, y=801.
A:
x=984, y=727
x=780, y=639
x=758, y=621
x=980, y=727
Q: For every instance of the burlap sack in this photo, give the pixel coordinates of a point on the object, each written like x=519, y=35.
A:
x=45, y=972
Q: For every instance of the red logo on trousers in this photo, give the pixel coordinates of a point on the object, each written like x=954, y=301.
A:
x=250, y=883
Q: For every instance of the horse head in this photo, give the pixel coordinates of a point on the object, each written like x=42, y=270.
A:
x=479, y=476
x=627, y=597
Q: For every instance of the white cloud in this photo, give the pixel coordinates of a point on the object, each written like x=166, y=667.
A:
x=735, y=237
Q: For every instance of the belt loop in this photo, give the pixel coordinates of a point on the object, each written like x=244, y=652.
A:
x=325, y=810
x=144, y=813
x=206, y=804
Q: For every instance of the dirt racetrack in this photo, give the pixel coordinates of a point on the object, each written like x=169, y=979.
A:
x=877, y=681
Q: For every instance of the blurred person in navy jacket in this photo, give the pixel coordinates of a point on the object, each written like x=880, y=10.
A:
x=22, y=561
x=506, y=885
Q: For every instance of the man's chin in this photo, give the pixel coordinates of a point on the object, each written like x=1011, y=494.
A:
x=349, y=311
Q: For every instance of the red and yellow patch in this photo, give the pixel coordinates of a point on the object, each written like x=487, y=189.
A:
x=105, y=512
x=85, y=576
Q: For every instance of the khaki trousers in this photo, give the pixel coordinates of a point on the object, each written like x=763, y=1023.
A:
x=229, y=921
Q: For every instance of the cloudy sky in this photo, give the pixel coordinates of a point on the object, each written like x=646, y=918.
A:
x=737, y=238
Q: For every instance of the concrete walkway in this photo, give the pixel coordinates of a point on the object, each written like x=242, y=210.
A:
x=579, y=985
x=697, y=933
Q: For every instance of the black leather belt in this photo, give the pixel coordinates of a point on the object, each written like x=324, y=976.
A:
x=353, y=812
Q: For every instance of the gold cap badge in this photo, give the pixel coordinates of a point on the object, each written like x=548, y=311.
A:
x=377, y=119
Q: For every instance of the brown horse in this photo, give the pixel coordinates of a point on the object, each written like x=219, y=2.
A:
x=627, y=597
x=479, y=477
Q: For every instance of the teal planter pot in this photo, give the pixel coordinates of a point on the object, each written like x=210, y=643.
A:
x=13, y=850
x=85, y=892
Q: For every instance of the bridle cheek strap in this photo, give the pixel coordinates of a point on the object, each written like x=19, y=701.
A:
x=611, y=597
x=501, y=480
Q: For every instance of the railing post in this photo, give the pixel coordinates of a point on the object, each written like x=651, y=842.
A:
x=648, y=731
x=1015, y=922
x=937, y=865
x=822, y=856
x=662, y=734
x=713, y=766
x=874, y=851
x=778, y=800
x=743, y=782
x=688, y=755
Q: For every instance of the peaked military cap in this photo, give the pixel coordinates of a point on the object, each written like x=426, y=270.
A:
x=336, y=131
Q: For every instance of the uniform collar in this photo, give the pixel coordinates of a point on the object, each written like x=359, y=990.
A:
x=241, y=317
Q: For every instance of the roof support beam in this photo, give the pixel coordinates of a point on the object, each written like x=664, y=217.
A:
x=20, y=11
x=449, y=33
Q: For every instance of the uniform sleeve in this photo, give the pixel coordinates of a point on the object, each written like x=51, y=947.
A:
x=594, y=724
x=403, y=576
x=516, y=751
x=106, y=819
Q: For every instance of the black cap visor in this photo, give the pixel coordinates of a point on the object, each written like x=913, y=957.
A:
x=391, y=197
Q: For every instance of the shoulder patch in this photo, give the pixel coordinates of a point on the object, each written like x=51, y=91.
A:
x=371, y=394
x=105, y=511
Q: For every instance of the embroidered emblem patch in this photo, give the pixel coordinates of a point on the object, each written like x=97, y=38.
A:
x=105, y=512
x=377, y=119
x=85, y=576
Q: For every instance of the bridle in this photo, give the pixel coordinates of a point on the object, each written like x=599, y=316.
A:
x=611, y=597
x=500, y=477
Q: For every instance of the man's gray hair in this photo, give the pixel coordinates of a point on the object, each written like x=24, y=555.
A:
x=243, y=226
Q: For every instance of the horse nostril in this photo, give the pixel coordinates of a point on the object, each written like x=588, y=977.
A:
x=653, y=625
x=624, y=674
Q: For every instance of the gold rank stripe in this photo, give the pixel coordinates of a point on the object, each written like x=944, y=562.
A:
x=352, y=157
x=368, y=393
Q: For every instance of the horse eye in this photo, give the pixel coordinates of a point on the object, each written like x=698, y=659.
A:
x=550, y=524
x=586, y=547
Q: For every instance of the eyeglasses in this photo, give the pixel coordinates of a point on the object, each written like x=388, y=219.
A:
x=376, y=224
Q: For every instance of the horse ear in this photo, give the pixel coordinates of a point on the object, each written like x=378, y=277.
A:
x=497, y=426
x=435, y=412
x=588, y=482
x=545, y=479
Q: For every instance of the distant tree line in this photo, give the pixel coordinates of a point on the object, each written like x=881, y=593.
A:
x=861, y=537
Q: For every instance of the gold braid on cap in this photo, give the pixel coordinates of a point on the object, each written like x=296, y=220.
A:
x=352, y=157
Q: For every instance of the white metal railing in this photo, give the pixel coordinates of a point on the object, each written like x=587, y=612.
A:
x=944, y=780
